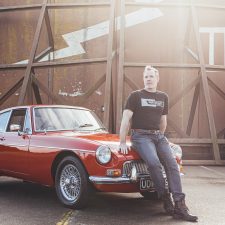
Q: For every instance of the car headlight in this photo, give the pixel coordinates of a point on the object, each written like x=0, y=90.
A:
x=177, y=151
x=103, y=154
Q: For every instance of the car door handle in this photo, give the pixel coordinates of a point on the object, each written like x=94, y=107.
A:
x=2, y=139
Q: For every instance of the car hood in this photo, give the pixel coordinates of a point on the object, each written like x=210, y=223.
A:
x=112, y=140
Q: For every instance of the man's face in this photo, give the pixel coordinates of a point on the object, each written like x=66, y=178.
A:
x=151, y=79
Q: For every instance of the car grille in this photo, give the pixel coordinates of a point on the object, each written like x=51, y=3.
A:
x=140, y=165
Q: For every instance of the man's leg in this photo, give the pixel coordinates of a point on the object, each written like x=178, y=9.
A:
x=147, y=151
x=171, y=168
x=173, y=176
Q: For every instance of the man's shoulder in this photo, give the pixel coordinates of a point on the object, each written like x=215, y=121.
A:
x=135, y=93
x=162, y=93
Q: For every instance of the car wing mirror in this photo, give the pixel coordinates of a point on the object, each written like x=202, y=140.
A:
x=25, y=132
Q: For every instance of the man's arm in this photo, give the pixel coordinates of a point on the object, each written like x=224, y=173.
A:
x=127, y=114
x=163, y=123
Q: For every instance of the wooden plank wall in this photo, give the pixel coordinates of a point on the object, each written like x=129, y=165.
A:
x=95, y=60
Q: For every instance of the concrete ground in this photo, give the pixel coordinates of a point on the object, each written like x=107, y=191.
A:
x=25, y=204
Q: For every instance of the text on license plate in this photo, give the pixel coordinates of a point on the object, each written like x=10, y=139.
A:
x=146, y=184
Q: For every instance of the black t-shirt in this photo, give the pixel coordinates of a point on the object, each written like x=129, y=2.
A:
x=147, y=108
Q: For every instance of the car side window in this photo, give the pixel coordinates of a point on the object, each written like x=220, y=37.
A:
x=4, y=117
x=17, y=117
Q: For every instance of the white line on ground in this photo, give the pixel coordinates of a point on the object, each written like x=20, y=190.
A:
x=214, y=171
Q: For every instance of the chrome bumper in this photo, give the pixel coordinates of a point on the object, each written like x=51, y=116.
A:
x=110, y=180
x=133, y=178
x=116, y=180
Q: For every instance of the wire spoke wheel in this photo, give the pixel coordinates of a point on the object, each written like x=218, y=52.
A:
x=70, y=182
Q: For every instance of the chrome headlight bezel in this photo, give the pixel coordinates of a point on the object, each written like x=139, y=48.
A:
x=177, y=151
x=103, y=154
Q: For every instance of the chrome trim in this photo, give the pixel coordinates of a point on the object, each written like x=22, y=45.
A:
x=13, y=145
x=72, y=149
x=140, y=166
x=115, y=180
x=109, y=180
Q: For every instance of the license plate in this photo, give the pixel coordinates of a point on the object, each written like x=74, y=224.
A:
x=146, y=184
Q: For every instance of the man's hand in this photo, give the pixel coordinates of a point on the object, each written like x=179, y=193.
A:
x=124, y=148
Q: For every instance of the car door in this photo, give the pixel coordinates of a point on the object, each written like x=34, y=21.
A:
x=16, y=143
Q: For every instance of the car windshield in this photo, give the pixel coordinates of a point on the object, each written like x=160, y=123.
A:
x=54, y=118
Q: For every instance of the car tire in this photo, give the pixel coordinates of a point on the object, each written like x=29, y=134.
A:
x=71, y=183
x=150, y=195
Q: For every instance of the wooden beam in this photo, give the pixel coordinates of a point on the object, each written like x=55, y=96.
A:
x=11, y=91
x=69, y=63
x=36, y=93
x=35, y=89
x=216, y=88
x=193, y=109
x=51, y=43
x=195, y=141
x=202, y=162
x=42, y=54
x=32, y=55
x=176, y=128
x=55, y=98
x=174, y=65
x=120, y=79
x=160, y=5
x=130, y=83
x=54, y=6
x=191, y=141
x=52, y=64
x=205, y=87
x=49, y=29
x=75, y=5
x=108, y=82
x=98, y=60
x=183, y=92
x=21, y=7
x=162, y=65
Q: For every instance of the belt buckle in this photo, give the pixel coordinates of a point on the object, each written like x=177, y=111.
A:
x=153, y=131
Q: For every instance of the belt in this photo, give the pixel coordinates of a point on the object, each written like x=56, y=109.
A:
x=147, y=131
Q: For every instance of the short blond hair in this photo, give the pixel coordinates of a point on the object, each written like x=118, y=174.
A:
x=151, y=68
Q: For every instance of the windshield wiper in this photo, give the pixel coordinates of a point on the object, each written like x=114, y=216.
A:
x=86, y=125
x=100, y=128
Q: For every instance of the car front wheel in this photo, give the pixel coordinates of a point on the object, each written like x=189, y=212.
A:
x=71, y=183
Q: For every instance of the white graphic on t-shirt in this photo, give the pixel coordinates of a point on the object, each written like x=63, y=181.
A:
x=151, y=103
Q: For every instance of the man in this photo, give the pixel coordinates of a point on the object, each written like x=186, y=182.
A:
x=147, y=109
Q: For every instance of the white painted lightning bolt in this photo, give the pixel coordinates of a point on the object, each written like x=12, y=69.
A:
x=74, y=39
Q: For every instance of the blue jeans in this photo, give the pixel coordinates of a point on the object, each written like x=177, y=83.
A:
x=154, y=149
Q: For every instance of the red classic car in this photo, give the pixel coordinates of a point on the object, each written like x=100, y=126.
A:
x=69, y=148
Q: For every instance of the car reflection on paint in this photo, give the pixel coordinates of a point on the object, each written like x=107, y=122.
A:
x=69, y=148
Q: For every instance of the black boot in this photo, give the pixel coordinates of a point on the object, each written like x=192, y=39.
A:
x=168, y=204
x=181, y=211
